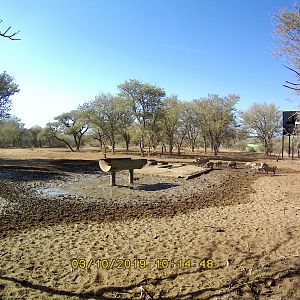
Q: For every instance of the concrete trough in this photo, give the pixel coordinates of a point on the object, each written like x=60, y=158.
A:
x=114, y=165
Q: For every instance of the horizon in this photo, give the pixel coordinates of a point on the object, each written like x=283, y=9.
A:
x=70, y=52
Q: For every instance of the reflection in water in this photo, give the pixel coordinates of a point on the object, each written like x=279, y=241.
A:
x=52, y=192
x=92, y=187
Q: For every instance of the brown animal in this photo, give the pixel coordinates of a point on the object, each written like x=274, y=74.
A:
x=218, y=164
x=232, y=165
x=210, y=165
x=254, y=166
x=265, y=167
x=200, y=161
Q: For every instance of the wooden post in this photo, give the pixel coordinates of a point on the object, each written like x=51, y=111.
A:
x=289, y=145
x=130, y=176
x=293, y=147
x=112, y=178
x=282, y=145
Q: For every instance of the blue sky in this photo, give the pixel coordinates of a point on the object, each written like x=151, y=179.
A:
x=70, y=51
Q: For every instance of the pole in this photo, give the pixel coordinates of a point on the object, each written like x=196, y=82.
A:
x=289, y=145
x=130, y=176
x=282, y=145
x=293, y=147
x=112, y=178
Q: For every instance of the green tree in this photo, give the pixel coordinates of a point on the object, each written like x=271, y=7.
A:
x=11, y=132
x=103, y=115
x=264, y=122
x=146, y=103
x=34, y=135
x=217, y=118
x=7, y=89
x=201, y=110
x=46, y=138
x=191, y=121
x=72, y=124
x=287, y=35
x=181, y=131
x=125, y=119
x=171, y=109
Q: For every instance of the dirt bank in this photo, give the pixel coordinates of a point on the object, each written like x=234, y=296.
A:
x=40, y=193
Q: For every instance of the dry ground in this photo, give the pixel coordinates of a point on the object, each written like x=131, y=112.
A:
x=224, y=235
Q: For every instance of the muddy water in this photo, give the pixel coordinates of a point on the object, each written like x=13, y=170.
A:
x=99, y=186
x=96, y=187
x=73, y=197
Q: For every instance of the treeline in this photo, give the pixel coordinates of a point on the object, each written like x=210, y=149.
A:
x=14, y=134
x=142, y=114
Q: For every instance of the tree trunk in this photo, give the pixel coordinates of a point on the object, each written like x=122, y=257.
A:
x=104, y=150
x=112, y=141
x=193, y=146
x=113, y=146
x=126, y=137
x=127, y=145
x=78, y=143
x=216, y=151
x=62, y=140
x=142, y=147
x=205, y=145
x=266, y=147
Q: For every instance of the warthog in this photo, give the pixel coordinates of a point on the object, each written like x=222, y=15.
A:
x=268, y=168
x=248, y=165
x=253, y=166
x=232, y=165
x=200, y=161
x=210, y=165
x=218, y=164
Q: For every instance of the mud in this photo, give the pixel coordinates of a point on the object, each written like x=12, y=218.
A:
x=47, y=192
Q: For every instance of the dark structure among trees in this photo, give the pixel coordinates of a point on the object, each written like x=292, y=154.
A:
x=290, y=127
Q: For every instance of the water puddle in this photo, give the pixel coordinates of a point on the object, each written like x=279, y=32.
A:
x=52, y=192
x=95, y=186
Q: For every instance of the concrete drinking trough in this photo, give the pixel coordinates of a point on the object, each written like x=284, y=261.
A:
x=114, y=165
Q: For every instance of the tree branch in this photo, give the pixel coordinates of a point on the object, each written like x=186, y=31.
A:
x=292, y=83
x=11, y=37
x=292, y=88
x=292, y=70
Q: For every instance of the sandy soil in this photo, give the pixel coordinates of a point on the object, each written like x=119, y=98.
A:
x=224, y=235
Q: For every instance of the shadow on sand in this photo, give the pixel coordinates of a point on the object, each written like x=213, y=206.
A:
x=44, y=169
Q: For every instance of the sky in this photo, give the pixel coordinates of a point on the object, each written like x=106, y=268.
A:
x=70, y=51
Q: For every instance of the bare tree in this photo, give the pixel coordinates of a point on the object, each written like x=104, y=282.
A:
x=287, y=35
x=292, y=85
x=10, y=36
